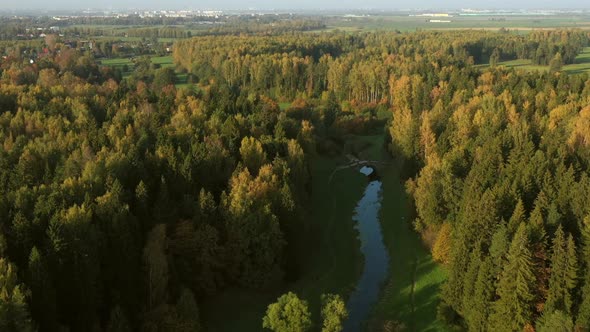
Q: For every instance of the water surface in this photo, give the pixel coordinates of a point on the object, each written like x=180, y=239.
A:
x=375, y=255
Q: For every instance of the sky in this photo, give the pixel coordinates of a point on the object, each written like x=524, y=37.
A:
x=292, y=4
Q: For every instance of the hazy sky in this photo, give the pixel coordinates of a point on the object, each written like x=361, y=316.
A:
x=292, y=4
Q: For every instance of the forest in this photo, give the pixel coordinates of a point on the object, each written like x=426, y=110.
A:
x=125, y=201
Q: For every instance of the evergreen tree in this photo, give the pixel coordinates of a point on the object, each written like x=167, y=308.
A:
x=483, y=295
x=557, y=321
x=556, y=64
x=513, y=310
x=14, y=314
x=42, y=292
x=563, y=277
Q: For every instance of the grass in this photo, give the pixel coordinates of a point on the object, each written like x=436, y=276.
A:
x=404, y=22
x=580, y=65
x=328, y=254
x=163, y=61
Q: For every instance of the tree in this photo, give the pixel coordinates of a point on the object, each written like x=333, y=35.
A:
x=288, y=314
x=556, y=63
x=252, y=154
x=14, y=314
x=513, y=310
x=495, y=57
x=156, y=267
x=333, y=313
x=482, y=296
x=118, y=321
x=42, y=292
x=563, y=277
x=188, y=311
x=557, y=321
x=442, y=246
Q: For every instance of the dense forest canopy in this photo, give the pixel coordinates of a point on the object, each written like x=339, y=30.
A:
x=125, y=201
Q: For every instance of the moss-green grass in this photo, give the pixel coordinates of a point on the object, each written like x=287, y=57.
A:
x=327, y=250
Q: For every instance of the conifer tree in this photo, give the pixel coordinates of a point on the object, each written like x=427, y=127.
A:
x=14, y=314
x=513, y=310
x=562, y=281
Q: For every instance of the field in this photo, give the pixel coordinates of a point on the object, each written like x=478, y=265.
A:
x=163, y=61
x=581, y=65
x=404, y=22
x=327, y=254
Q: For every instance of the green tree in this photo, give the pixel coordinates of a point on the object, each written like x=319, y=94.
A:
x=14, y=314
x=494, y=57
x=252, y=154
x=42, y=292
x=513, y=310
x=557, y=321
x=288, y=314
x=563, y=277
x=556, y=64
x=333, y=313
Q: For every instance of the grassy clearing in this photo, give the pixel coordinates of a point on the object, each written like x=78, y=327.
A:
x=410, y=295
x=580, y=65
x=328, y=254
x=163, y=61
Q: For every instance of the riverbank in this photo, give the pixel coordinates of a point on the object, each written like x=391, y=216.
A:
x=411, y=294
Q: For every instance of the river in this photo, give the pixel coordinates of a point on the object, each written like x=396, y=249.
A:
x=376, y=258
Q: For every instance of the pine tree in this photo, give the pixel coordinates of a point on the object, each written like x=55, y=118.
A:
x=513, y=310
x=583, y=315
x=14, y=314
x=483, y=295
x=562, y=281
x=42, y=292
x=518, y=217
x=557, y=321
x=469, y=283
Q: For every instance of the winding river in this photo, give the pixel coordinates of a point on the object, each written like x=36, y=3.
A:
x=375, y=255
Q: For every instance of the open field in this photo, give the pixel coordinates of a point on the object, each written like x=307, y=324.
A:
x=328, y=254
x=411, y=23
x=581, y=65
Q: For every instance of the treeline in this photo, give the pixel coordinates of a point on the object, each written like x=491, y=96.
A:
x=501, y=193
x=539, y=46
x=123, y=204
x=243, y=26
x=355, y=67
x=150, y=32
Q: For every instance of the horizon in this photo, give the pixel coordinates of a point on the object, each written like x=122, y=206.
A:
x=305, y=5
